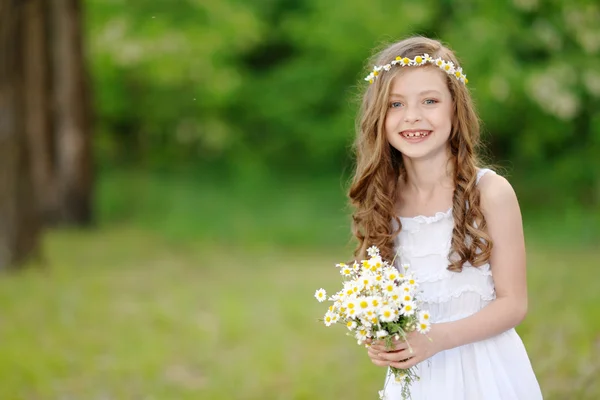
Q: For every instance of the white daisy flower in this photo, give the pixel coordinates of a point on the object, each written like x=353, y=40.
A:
x=351, y=306
x=424, y=316
x=321, y=295
x=412, y=281
x=375, y=263
x=387, y=314
x=439, y=62
x=406, y=288
x=406, y=298
x=423, y=327
x=448, y=67
x=362, y=334
x=365, y=282
x=408, y=308
x=364, y=304
x=427, y=58
x=387, y=67
x=376, y=302
x=419, y=60
x=392, y=274
x=381, y=333
x=328, y=319
x=351, y=325
x=373, y=251
x=405, y=61
x=388, y=288
x=346, y=271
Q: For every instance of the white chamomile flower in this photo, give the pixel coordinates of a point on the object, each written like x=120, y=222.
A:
x=419, y=60
x=439, y=62
x=392, y=274
x=405, y=61
x=340, y=265
x=373, y=251
x=376, y=302
x=351, y=325
x=328, y=319
x=458, y=73
x=448, y=67
x=388, y=288
x=406, y=288
x=427, y=58
x=335, y=318
x=423, y=327
x=424, y=316
x=346, y=271
x=406, y=298
x=381, y=333
x=365, y=282
x=387, y=314
x=408, y=308
x=364, y=304
x=321, y=295
x=362, y=334
x=411, y=281
x=356, y=267
x=351, y=306
x=370, y=77
x=387, y=67
x=375, y=262
x=405, y=267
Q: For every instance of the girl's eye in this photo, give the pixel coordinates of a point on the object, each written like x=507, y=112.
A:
x=430, y=101
x=395, y=104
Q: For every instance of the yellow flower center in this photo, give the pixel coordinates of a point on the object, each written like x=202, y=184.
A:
x=406, y=60
x=364, y=304
x=419, y=59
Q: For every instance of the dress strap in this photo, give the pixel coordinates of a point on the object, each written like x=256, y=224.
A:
x=482, y=172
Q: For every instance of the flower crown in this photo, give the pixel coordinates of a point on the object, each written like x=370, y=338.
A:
x=446, y=66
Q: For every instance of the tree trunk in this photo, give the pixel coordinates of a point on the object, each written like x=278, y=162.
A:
x=72, y=125
x=38, y=123
x=19, y=223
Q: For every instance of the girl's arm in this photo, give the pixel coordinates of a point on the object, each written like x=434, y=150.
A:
x=504, y=225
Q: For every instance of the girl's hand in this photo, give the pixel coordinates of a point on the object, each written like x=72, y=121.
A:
x=405, y=354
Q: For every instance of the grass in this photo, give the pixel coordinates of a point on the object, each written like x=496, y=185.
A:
x=123, y=314
x=185, y=291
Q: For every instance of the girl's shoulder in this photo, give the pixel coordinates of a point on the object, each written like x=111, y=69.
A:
x=496, y=193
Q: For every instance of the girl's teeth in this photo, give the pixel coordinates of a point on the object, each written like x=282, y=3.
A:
x=417, y=134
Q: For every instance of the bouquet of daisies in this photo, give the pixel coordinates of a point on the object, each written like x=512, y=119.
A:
x=377, y=302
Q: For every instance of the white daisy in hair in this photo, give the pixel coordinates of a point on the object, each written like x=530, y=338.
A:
x=419, y=60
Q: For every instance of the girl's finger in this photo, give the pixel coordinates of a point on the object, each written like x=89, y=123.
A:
x=396, y=356
x=411, y=362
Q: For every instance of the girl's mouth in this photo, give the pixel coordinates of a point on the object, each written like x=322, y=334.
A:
x=414, y=135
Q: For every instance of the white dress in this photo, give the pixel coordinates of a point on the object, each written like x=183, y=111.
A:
x=497, y=368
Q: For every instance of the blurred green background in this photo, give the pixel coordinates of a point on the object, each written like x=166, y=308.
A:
x=222, y=136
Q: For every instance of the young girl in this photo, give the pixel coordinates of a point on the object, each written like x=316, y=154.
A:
x=419, y=194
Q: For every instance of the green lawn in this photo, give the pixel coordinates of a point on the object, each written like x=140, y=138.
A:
x=119, y=313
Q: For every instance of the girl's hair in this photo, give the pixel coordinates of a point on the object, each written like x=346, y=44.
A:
x=379, y=166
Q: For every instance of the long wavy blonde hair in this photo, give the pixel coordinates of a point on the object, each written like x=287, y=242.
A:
x=379, y=166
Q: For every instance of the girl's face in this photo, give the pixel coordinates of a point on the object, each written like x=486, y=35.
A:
x=419, y=116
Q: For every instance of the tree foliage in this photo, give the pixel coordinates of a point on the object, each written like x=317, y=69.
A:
x=254, y=85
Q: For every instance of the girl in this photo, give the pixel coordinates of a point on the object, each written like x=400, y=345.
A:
x=418, y=193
